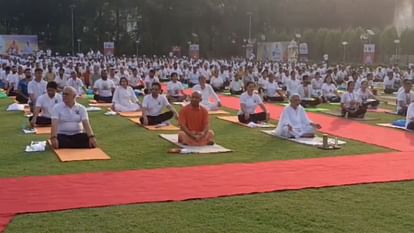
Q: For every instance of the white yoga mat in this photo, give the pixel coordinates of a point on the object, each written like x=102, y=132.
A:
x=173, y=138
x=316, y=141
x=393, y=126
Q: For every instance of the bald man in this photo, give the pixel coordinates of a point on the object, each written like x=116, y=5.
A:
x=70, y=123
x=194, y=124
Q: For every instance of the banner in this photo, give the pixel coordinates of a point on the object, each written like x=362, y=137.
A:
x=293, y=52
x=303, y=52
x=272, y=51
x=109, y=48
x=369, y=54
x=194, y=51
x=18, y=44
x=176, y=50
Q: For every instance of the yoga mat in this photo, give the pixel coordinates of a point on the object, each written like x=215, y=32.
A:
x=130, y=114
x=337, y=114
x=5, y=219
x=69, y=155
x=394, y=127
x=55, y=193
x=379, y=110
x=154, y=127
x=43, y=130
x=213, y=149
x=101, y=105
x=316, y=141
x=235, y=120
x=218, y=112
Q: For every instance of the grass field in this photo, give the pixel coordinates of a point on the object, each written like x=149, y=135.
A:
x=367, y=208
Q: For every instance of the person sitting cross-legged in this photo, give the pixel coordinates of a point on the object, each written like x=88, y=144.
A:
x=175, y=89
x=153, y=105
x=351, y=103
x=44, y=106
x=103, y=88
x=249, y=101
x=194, y=123
x=405, y=98
x=124, y=99
x=410, y=117
x=294, y=122
x=207, y=93
x=70, y=123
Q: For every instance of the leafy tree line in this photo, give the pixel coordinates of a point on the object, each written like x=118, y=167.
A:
x=219, y=26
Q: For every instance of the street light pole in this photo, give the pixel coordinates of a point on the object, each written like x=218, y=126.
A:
x=397, y=43
x=137, y=43
x=72, y=7
x=79, y=45
x=344, y=43
x=250, y=25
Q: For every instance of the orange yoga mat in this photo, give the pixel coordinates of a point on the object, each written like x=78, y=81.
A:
x=235, y=120
x=43, y=130
x=101, y=105
x=218, y=112
x=69, y=155
x=155, y=128
x=130, y=114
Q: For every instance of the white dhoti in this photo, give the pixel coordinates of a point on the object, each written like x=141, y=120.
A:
x=298, y=120
x=210, y=106
x=132, y=107
x=297, y=132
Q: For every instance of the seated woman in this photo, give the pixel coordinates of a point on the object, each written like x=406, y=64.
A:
x=103, y=88
x=390, y=83
x=329, y=91
x=294, y=122
x=175, y=89
x=236, y=85
x=272, y=92
x=351, y=103
x=317, y=83
x=124, y=99
x=410, y=117
x=368, y=99
x=249, y=101
x=306, y=94
x=153, y=106
x=70, y=123
x=44, y=106
x=135, y=81
x=194, y=123
x=405, y=98
x=207, y=93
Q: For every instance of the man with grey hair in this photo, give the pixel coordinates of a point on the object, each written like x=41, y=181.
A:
x=294, y=122
x=70, y=123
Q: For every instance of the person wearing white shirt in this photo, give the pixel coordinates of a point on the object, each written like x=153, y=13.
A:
x=44, y=106
x=36, y=87
x=217, y=82
x=329, y=91
x=249, y=101
x=236, y=85
x=153, y=106
x=410, y=117
x=405, y=98
x=293, y=84
x=149, y=80
x=175, y=89
x=124, y=99
x=317, y=83
x=207, y=92
x=76, y=83
x=389, y=83
x=12, y=81
x=103, y=88
x=272, y=91
x=306, y=94
x=193, y=77
x=61, y=79
x=368, y=99
x=70, y=123
x=135, y=81
x=351, y=103
x=294, y=122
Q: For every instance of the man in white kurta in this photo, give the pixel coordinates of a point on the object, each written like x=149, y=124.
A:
x=294, y=122
x=124, y=99
x=207, y=93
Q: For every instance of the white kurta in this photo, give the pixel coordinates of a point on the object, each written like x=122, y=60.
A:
x=124, y=100
x=410, y=114
x=206, y=94
x=297, y=119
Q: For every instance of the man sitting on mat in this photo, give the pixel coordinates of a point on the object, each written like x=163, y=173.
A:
x=153, y=105
x=207, y=92
x=36, y=88
x=307, y=94
x=194, y=123
x=124, y=99
x=236, y=85
x=70, y=123
x=175, y=89
x=405, y=98
x=272, y=91
x=368, y=99
x=44, y=106
x=22, y=95
x=410, y=117
x=351, y=103
x=294, y=122
x=103, y=88
x=248, y=104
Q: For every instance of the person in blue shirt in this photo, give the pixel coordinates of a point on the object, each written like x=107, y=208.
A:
x=22, y=95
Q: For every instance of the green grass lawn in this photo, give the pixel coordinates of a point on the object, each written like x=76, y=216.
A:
x=367, y=208
x=380, y=208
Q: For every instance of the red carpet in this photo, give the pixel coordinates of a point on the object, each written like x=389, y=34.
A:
x=52, y=193
x=4, y=221
x=370, y=134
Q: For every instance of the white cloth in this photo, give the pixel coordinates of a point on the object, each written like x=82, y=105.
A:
x=206, y=94
x=70, y=119
x=293, y=86
x=250, y=103
x=46, y=104
x=125, y=100
x=271, y=89
x=305, y=92
x=328, y=90
x=404, y=98
x=175, y=88
x=36, y=89
x=297, y=119
x=154, y=106
x=410, y=114
x=104, y=87
x=348, y=98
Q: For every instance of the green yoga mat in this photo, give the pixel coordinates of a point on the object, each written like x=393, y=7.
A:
x=3, y=95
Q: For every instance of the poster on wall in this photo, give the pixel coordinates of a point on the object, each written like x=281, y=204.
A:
x=273, y=51
x=303, y=52
x=176, y=50
x=369, y=54
x=109, y=48
x=18, y=44
x=194, y=51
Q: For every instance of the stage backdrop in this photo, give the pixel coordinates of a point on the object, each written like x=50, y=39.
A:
x=18, y=44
